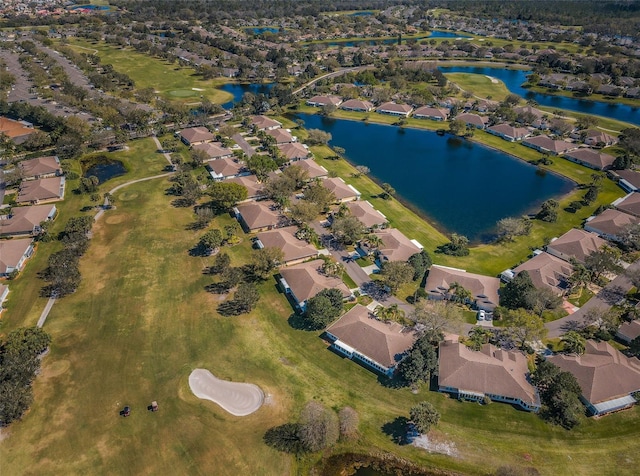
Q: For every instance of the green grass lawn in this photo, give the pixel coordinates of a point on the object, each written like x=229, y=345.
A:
x=141, y=321
x=172, y=81
x=479, y=85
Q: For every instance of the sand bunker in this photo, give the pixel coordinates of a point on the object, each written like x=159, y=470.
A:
x=239, y=399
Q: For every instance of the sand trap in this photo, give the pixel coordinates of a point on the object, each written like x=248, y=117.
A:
x=197, y=89
x=493, y=80
x=239, y=399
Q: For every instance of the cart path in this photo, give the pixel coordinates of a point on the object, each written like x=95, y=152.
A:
x=166, y=155
x=52, y=300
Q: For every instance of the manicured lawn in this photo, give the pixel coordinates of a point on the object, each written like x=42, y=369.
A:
x=141, y=321
x=172, y=81
x=479, y=85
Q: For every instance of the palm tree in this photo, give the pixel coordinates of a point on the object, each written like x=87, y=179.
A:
x=580, y=277
x=391, y=313
x=373, y=240
x=574, y=343
x=460, y=293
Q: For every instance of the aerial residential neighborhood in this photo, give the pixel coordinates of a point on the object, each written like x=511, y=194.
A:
x=299, y=237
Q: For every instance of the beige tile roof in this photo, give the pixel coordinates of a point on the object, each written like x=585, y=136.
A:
x=214, y=150
x=325, y=100
x=23, y=219
x=11, y=252
x=259, y=214
x=264, y=122
x=611, y=222
x=426, y=111
x=306, y=280
x=483, y=288
x=592, y=157
x=489, y=371
x=630, y=176
x=294, y=151
x=544, y=142
x=225, y=167
x=474, y=119
x=196, y=134
x=285, y=240
x=282, y=136
x=510, y=131
x=365, y=212
x=602, y=372
x=40, y=166
x=313, y=169
x=340, y=189
x=395, y=245
x=630, y=204
x=357, y=104
x=630, y=330
x=250, y=182
x=385, y=343
x=547, y=271
x=577, y=243
x=40, y=190
x=395, y=108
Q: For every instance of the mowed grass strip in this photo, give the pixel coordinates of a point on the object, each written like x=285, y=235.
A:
x=479, y=85
x=172, y=81
x=141, y=321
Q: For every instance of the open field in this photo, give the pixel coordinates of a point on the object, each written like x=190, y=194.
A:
x=172, y=81
x=479, y=85
x=141, y=322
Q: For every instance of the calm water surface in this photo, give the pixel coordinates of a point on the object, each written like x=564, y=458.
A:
x=107, y=171
x=463, y=187
x=238, y=91
x=513, y=80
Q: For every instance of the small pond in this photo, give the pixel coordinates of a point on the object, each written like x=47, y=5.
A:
x=263, y=29
x=461, y=186
x=106, y=170
x=238, y=91
x=447, y=34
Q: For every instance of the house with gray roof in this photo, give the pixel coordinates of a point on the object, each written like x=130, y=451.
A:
x=501, y=375
x=608, y=379
x=629, y=204
x=359, y=336
x=629, y=331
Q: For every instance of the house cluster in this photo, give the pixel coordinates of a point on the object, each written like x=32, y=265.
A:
x=600, y=83
x=17, y=131
x=42, y=184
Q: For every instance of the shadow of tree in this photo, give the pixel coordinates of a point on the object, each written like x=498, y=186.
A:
x=397, y=430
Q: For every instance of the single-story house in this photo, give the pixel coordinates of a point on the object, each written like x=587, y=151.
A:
x=195, y=135
x=17, y=131
x=251, y=183
x=257, y=216
x=609, y=90
x=13, y=254
x=214, y=150
x=595, y=137
x=510, y=133
x=629, y=331
x=546, y=271
x=547, y=144
x=433, y=113
x=303, y=281
x=356, y=105
x=313, y=169
x=632, y=92
x=576, y=244
x=490, y=372
x=359, y=336
x=343, y=191
x=394, y=109
x=608, y=379
x=591, y=158
x=282, y=136
x=4, y=292
x=40, y=167
x=320, y=101
x=366, y=214
x=294, y=250
x=475, y=120
x=264, y=123
x=26, y=220
x=629, y=180
x=395, y=246
x=41, y=190
x=629, y=203
x=483, y=289
x=225, y=168
x=610, y=223
x=294, y=151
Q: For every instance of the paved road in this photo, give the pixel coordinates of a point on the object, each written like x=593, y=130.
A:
x=607, y=297
x=332, y=75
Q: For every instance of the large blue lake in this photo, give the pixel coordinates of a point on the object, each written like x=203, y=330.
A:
x=460, y=186
x=514, y=79
x=238, y=91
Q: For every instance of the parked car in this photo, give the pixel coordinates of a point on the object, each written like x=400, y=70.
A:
x=481, y=315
